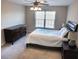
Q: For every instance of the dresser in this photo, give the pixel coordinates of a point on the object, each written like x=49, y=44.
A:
x=14, y=33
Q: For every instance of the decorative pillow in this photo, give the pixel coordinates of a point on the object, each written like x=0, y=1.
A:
x=63, y=31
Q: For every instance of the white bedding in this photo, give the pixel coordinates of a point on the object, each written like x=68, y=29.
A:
x=45, y=37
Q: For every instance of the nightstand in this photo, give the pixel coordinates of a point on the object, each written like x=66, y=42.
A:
x=69, y=53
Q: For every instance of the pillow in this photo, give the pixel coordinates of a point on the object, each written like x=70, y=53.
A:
x=63, y=31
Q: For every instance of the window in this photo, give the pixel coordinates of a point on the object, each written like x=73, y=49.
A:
x=45, y=19
x=39, y=19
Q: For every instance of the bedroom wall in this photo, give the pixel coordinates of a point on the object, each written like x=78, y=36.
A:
x=73, y=11
x=73, y=16
x=11, y=14
x=61, y=15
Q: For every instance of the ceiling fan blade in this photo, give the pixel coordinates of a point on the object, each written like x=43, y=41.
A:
x=28, y=3
x=44, y=3
x=37, y=2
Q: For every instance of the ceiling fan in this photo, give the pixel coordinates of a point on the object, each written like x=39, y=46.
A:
x=37, y=3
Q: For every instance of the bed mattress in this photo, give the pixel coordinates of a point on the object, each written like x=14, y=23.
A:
x=45, y=37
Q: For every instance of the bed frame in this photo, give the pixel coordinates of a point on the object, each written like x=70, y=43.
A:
x=70, y=26
x=36, y=46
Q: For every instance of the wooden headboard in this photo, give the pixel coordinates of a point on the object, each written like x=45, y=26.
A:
x=71, y=26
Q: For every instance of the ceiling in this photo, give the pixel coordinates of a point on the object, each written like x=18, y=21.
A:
x=50, y=2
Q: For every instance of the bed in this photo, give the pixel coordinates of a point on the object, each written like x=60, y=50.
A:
x=50, y=38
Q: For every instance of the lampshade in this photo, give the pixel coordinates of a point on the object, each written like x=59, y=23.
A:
x=73, y=35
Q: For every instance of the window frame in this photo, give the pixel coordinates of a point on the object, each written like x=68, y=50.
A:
x=45, y=20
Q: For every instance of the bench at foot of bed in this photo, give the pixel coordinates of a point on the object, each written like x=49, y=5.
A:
x=43, y=47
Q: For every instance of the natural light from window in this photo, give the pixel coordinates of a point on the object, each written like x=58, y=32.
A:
x=45, y=19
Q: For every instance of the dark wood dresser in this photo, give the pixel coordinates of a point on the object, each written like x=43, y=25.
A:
x=14, y=33
x=69, y=53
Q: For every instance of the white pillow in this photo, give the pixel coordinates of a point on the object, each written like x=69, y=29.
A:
x=63, y=31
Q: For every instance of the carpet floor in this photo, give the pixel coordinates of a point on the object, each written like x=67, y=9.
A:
x=19, y=51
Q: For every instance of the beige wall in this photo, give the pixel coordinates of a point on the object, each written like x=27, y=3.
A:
x=30, y=22
x=61, y=15
x=73, y=16
x=73, y=11
x=11, y=14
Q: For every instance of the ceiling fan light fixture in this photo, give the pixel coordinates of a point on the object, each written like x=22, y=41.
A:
x=35, y=8
x=39, y=8
x=31, y=8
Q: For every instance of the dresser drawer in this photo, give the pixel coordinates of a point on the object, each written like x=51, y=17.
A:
x=14, y=33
